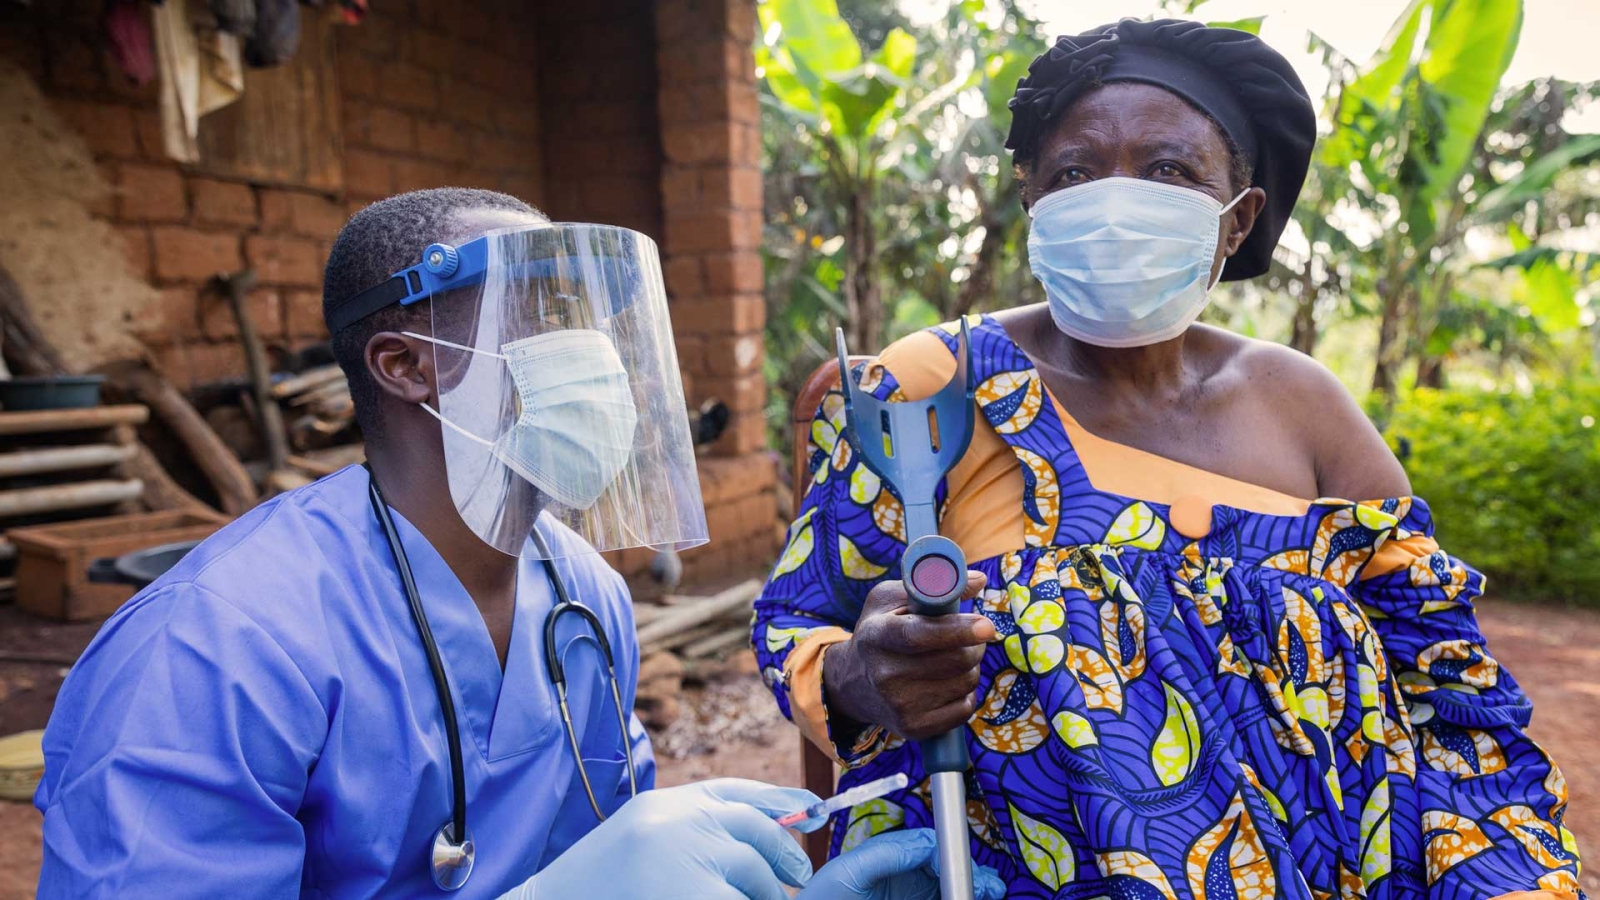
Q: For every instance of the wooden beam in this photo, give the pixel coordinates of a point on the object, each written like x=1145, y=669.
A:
x=307, y=380
x=59, y=497
x=160, y=491
x=692, y=615
x=45, y=421
x=322, y=463
x=235, y=491
x=63, y=459
x=737, y=635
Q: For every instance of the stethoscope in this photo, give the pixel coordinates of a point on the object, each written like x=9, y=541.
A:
x=452, y=855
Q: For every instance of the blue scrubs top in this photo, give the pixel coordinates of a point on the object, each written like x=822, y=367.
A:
x=261, y=721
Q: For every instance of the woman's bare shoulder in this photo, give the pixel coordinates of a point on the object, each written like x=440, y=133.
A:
x=1351, y=458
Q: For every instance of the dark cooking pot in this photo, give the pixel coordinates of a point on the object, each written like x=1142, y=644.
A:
x=140, y=567
x=50, y=392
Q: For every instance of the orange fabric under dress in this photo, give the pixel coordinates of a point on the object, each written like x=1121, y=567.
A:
x=985, y=490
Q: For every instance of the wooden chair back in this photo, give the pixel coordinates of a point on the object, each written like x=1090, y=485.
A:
x=816, y=769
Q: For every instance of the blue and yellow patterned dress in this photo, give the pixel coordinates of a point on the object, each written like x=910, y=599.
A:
x=1292, y=702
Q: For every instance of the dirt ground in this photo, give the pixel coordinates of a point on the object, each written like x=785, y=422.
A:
x=729, y=727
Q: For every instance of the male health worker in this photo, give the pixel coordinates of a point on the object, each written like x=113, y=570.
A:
x=416, y=677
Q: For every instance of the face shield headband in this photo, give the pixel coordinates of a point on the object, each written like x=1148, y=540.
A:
x=443, y=268
x=557, y=386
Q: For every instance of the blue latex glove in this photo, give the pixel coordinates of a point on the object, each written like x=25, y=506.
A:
x=713, y=840
x=900, y=865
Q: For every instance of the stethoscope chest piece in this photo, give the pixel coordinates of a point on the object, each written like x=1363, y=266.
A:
x=452, y=860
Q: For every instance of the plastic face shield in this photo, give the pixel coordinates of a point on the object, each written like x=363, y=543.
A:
x=559, y=389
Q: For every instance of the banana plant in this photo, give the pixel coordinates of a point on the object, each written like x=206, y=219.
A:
x=1407, y=128
x=847, y=103
x=1533, y=213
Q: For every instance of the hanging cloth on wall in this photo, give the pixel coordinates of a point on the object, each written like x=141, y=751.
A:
x=128, y=33
x=277, y=33
x=202, y=70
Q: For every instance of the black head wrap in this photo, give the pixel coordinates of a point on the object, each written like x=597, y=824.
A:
x=1247, y=87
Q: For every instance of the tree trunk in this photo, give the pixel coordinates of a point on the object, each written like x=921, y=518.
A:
x=1391, y=345
x=1430, y=366
x=861, y=298
x=1430, y=371
x=979, y=286
x=1304, y=336
x=1383, y=371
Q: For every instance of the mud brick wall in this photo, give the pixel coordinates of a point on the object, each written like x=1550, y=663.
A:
x=712, y=215
x=433, y=93
x=632, y=112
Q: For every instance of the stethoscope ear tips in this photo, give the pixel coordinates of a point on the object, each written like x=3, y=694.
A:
x=452, y=861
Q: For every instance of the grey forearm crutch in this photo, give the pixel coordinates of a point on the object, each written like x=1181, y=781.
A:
x=911, y=446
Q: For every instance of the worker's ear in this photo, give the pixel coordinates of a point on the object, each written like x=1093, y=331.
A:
x=401, y=366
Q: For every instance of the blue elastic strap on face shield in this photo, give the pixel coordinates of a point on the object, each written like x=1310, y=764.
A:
x=447, y=268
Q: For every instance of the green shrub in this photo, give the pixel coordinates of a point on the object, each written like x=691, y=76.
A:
x=1514, y=482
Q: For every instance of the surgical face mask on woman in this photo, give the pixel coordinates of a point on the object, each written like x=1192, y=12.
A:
x=576, y=417
x=1125, y=262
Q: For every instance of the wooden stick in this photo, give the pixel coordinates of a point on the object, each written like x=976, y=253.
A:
x=59, y=497
x=739, y=597
x=322, y=463
x=307, y=380
x=237, y=287
x=674, y=641
x=160, y=491
x=45, y=421
x=285, y=480
x=62, y=459
x=643, y=613
x=227, y=476
x=22, y=656
x=329, y=391
x=735, y=636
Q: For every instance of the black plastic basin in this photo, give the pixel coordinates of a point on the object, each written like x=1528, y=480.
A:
x=50, y=392
x=140, y=567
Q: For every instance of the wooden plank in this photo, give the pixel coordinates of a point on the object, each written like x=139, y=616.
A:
x=59, y=497
x=235, y=489
x=160, y=491
x=45, y=421
x=321, y=463
x=735, y=636
x=63, y=459
x=307, y=380
x=284, y=129
x=690, y=616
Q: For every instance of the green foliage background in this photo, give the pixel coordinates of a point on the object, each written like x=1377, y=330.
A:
x=1514, y=482
x=1443, y=260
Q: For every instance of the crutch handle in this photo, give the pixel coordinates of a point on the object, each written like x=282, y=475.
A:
x=935, y=572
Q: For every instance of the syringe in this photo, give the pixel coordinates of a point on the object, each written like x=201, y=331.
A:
x=859, y=794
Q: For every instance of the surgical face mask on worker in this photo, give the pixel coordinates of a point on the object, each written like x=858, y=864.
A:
x=575, y=420
x=1125, y=262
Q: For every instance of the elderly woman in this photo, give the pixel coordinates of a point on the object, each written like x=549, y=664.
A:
x=1182, y=674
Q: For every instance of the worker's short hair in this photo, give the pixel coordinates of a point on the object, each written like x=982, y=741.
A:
x=377, y=242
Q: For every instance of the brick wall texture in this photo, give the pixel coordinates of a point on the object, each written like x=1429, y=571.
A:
x=632, y=112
